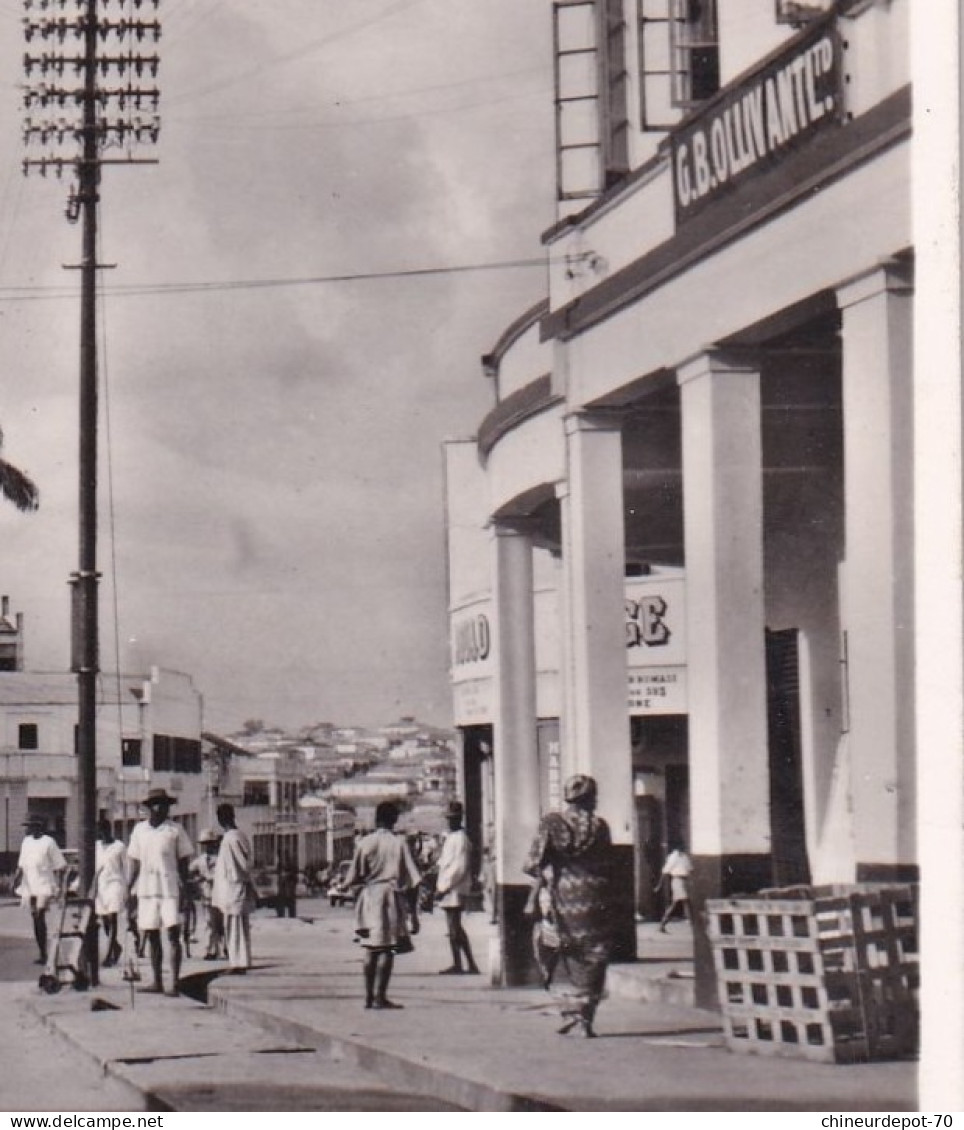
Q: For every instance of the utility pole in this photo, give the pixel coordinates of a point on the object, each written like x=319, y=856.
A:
x=95, y=120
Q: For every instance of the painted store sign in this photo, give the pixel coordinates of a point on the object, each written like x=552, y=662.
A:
x=758, y=122
x=655, y=640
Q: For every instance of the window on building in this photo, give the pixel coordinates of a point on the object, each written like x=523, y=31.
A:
x=28, y=736
x=592, y=125
x=131, y=752
x=187, y=755
x=256, y=792
x=163, y=753
x=679, y=58
x=798, y=13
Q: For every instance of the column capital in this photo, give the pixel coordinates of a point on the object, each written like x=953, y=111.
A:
x=893, y=276
x=509, y=527
x=607, y=421
x=713, y=360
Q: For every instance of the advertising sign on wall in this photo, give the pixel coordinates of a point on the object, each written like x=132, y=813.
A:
x=655, y=641
x=758, y=122
x=656, y=645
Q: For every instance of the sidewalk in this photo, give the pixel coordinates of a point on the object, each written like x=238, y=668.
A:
x=458, y=1040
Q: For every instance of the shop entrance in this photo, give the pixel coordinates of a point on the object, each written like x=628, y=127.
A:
x=661, y=801
x=479, y=793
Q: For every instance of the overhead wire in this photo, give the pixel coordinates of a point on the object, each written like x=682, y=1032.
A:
x=293, y=56
x=104, y=374
x=23, y=294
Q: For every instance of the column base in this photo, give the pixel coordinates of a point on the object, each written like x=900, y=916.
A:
x=888, y=873
x=623, y=903
x=719, y=876
x=516, y=961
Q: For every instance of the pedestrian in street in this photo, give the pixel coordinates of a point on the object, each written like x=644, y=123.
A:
x=677, y=868
x=383, y=866
x=574, y=849
x=110, y=886
x=39, y=877
x=202, y=876
x=454, y=882
x=287, y=901
x=160, y=853
x=233, y=892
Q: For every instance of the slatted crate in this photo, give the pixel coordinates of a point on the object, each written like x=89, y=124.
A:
x=822, y=973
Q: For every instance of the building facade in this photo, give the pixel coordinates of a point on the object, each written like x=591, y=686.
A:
x=148, y=735
x=681, y=543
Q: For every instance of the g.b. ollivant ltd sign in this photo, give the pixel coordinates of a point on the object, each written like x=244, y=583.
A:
x=760, y=121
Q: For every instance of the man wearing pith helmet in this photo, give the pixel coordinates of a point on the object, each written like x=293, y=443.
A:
x=160, y=853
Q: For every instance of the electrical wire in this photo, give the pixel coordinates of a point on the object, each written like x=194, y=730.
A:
x=136, y=290
x=105, y=381
x=293, y=56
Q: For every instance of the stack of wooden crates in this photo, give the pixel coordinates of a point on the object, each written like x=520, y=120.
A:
x=822, y=973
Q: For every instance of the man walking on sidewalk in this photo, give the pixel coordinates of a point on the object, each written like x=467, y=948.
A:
x=160, y=853
x=231, y=893
x=454, y=882
x=40, y=871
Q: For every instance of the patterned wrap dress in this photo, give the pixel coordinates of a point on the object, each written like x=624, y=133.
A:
x=383, y=863
x=575, y=847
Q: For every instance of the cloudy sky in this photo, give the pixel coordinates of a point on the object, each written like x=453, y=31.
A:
x=273, y=508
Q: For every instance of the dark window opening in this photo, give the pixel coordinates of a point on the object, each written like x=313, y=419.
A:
x=163, y=754
x=28, y=736
x=131, y=752
x=256, y=792
x=679, y=58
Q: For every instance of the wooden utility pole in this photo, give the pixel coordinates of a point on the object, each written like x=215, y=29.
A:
x=91, y=117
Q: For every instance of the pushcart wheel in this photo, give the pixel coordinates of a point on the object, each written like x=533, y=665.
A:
x=49, y=983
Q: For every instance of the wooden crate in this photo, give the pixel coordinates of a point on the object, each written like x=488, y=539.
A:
x=822, y=973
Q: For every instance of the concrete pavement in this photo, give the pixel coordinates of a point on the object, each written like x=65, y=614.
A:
x=294, y=1030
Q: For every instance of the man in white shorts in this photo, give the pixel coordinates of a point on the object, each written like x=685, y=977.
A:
x=160, y=853
x=40, y=871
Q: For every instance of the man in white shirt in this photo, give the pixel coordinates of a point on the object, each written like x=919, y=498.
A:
x=39, y=874
x=454, y=882
x=160, y=853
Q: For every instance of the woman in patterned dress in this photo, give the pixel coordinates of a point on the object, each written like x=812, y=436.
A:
x=384, y=867
x=574, y=848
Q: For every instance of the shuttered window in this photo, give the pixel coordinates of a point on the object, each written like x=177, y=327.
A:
x=591, y=80
x=679, y=58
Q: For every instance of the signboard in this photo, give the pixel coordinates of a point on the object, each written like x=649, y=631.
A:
x=655, y=641
x=472, y=701
x=657, y=690
x=757, y=123
x=471, y=642
x=656, y=644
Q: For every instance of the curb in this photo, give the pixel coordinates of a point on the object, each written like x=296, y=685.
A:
x=394, y=1069
x=143, y=1100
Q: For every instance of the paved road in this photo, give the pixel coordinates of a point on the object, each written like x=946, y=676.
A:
x=213, y=1063
x=17, y=957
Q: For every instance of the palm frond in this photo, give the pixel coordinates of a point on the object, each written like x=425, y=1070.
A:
x=15, y=486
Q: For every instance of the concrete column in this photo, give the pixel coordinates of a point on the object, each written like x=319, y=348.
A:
x=594, y=562
x=726, y=666
x=879, y=576
x=567, y=761
x=515, y=747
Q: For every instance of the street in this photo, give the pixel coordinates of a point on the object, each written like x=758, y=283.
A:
x=223, y=1065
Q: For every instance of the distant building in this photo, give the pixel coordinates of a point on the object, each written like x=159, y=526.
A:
x=148, y=734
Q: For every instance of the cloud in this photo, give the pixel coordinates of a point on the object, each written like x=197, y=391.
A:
x=275, y=510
